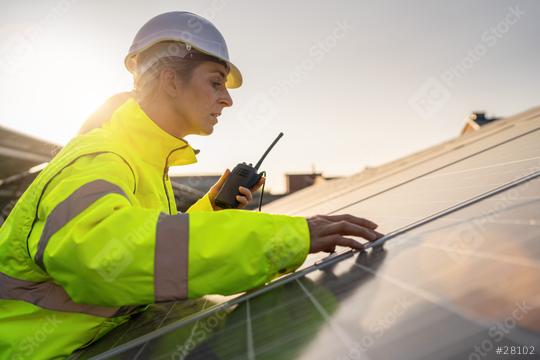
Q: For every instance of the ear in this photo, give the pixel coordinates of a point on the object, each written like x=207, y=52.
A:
x=168, y=83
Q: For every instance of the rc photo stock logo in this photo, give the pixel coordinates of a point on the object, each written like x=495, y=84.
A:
x=113, y=259
x=434, y=93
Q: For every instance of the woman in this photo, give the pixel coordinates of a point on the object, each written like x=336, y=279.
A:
x=97, y=234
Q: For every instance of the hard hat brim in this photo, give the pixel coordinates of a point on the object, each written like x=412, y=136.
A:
x=234, y=77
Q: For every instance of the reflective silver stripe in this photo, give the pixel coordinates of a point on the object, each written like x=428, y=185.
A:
x=76, y=203
x=171, y=257
x=50, y=296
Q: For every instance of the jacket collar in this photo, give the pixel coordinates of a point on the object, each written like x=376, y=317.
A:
x=149, y=142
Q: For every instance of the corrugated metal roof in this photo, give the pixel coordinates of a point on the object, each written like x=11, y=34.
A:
x=19, y=152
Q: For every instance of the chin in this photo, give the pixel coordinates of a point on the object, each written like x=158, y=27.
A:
x=206, y=132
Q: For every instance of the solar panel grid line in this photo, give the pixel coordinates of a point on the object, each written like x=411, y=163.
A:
x=410, y=180
x=158, y=332
x=364, y=195
x=428, y=279
x=501, y=258
x=194, y=317
x=454, y=208
x=341, y=334
x=432, y=278
x=526, y=115
x=445, y=212
x=426, y=295
x=500, y=221
x=249, y=340
x=495, y=210
x=422, y=194
x=484, y=167
x=138, y=354
x=294, y=198
x=428, y=195
x=188, y=340
x=121, y=337
x=433, y=299
x=449, y=147
x=379, y=184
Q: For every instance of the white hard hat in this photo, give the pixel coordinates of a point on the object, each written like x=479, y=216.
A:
x=188, y=28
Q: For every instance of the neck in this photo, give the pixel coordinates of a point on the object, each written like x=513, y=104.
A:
x=163, y=114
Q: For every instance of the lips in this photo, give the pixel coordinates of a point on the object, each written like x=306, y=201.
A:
x=215, y=116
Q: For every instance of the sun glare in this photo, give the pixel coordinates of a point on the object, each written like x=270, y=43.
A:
x=58, y=86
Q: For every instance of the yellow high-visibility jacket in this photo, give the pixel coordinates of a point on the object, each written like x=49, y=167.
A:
x=97, y=235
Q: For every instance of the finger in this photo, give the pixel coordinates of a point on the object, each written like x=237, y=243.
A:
x=353, y=219
x=325, y=243
x=226, y=174
x=222, y=179
x=346, y=228
x=329, y=243
x=242, y=200
x=245, y=191
x=353, y=244
x=259, y=183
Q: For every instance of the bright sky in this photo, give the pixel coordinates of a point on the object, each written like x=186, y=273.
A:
x=350, y=83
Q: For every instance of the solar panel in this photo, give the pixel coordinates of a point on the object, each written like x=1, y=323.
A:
x=434, y=291
x=405, y=170
x=475, y=173
x=397, y=206
x=446, y=187
x=430, y=294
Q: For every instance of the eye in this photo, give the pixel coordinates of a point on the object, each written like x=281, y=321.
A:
x=216, y=84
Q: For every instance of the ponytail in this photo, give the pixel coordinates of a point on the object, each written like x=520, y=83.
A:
x=104, y=112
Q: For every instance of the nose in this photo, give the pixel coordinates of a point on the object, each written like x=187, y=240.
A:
x=226, y=99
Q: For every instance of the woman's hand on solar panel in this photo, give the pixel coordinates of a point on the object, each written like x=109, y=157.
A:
x=328, y=231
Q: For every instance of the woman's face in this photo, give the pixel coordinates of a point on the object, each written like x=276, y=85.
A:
x=200, y=101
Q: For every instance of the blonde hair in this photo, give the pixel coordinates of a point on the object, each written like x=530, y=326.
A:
x=145, y=82
x=104, y=112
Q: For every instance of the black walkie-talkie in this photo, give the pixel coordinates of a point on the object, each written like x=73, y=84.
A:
x=242, y=175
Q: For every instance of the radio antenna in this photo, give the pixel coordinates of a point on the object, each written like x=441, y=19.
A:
x=268, y=150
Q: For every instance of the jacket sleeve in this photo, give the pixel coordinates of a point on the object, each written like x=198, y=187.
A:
x=104, y=249
x=203, y=204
